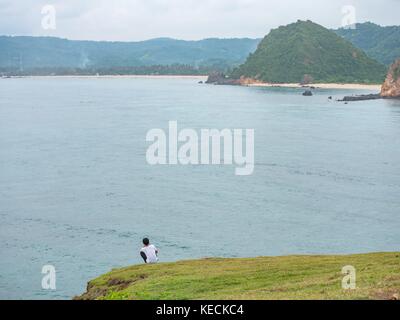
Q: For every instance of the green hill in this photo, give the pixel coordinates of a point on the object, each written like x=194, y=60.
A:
x=380, y=43
x=290, y=52
x=290, y=277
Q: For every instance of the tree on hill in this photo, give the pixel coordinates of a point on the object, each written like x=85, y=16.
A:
x=305, y=49
x=379, y=43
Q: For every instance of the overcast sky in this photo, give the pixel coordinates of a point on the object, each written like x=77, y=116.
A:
x=131, y=20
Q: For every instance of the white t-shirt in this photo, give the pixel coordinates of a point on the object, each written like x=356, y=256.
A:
x=150, y=252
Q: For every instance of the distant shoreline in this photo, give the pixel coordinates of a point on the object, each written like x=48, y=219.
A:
x=350, y=86
x=114, y=76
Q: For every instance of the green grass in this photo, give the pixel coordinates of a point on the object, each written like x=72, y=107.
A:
x=290, y=277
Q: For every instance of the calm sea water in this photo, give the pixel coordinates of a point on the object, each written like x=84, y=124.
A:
x=76, y=191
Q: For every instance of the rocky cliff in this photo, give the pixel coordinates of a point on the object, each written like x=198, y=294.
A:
x=391, y=86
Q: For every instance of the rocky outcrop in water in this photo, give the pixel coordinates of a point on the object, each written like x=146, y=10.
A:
x=391, y=86
x=216, y=77
x=220, y=78
x=362, y=97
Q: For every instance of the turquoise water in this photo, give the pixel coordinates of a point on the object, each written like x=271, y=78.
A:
x=76, y=191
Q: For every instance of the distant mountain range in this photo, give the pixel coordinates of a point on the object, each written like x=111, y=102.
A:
x=27, y=53
x=307, y=52
x=47, y=55
x=380, y=43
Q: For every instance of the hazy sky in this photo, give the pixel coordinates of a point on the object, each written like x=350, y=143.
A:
x=131, y=20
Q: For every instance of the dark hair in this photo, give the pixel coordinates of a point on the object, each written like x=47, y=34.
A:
x=146, y=241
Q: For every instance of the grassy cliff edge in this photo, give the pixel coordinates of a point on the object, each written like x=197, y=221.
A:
x=287, y=277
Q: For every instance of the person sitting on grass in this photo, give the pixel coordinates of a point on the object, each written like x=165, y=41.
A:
x=149, y=252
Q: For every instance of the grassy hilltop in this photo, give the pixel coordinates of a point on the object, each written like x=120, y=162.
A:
x=290, y=277
x=289, y=53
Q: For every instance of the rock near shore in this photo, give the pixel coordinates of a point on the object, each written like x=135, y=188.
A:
x=222, y=79
x=391, y=86
x=216, y=78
